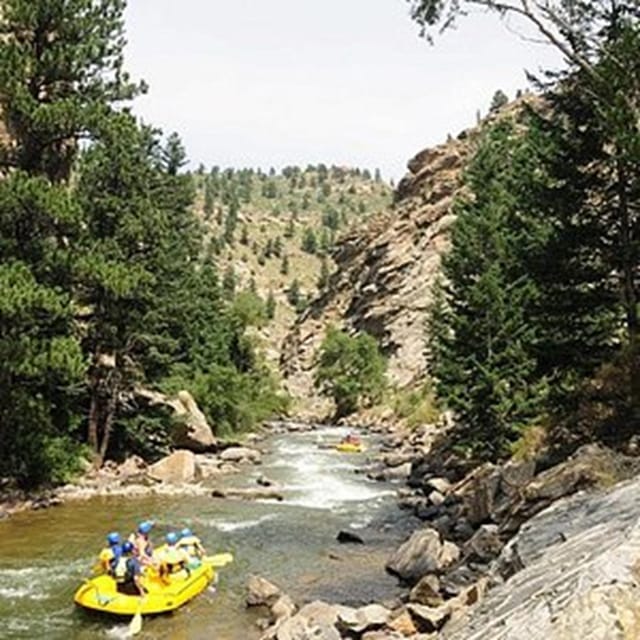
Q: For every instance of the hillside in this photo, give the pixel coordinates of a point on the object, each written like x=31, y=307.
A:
x=385, y=271
x=274, y=232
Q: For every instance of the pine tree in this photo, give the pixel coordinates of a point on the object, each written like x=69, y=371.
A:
x=498, y=101
x=323, y=279
x=309, y=241
x=60, y=72
x=284, y=265
x=270, y=306
x=483, y=339
x=293, y=293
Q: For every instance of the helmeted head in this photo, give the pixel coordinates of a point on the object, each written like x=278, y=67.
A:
x=127, y=547
x=186, y=533
x=113, y=538
x=145, y=527
x=172, y=537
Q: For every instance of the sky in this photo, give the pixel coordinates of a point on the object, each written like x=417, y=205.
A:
x=262, y=83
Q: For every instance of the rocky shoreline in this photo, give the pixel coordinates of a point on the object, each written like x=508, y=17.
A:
x=505, y=551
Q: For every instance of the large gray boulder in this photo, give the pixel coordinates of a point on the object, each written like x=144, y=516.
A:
x=424, y=552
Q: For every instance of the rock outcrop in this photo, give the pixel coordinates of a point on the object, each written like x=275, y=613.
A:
x=385, y=271
x=578, y=574
x=192, y=431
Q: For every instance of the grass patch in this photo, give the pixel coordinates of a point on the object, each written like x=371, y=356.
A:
x=416, y=406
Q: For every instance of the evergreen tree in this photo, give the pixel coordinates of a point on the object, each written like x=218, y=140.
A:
x=174, y=156
x=323, y=279
x=290, y=229
x=483, y=337
x=270, y=306
x=309, y=241
x=60, y=72
x=229, y=281
x=284, y=265
x=498, y=101
x=208, y=197
x=293, y=293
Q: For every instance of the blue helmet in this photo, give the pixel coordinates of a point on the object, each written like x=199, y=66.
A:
x=113, y=538
x=127, y=547
x=145, y=527
x=172, y=537
x=186, y=533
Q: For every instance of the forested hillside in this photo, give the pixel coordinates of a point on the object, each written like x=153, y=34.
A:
x=273, y=233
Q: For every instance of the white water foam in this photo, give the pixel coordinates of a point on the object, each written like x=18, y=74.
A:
x=227, y=526
x=234, y=525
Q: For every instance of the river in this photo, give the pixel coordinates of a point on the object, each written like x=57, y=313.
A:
x=45, y=555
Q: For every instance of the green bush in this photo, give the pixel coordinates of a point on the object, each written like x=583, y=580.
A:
x=416, y=406
x=351, y=370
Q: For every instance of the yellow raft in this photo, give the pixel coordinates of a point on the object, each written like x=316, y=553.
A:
x=100, y=593
x=350, y=447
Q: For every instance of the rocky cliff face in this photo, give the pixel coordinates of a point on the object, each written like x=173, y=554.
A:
x=386, y=269
x=384, y=274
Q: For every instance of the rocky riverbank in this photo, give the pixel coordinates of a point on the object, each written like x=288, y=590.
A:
x=505, y=551
x=182, y=472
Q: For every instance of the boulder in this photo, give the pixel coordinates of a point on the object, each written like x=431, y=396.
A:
x=477, y=492
x=441, y=485
x=315, y=621
x=485, y=544
x=132, y=466
x=180, y=466
x=402, y=624
x=360, y=620
x=283, y=608
x=193, y=431
x=346, y=537
x=427, y=591
x=429, y=619
x=240, y=454
x=261, y=592
x=423, y=553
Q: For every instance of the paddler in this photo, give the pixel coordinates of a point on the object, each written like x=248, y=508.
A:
x=128, y=572
x=172, y=558
x=142, y=547
x=191, y=544
x=111, y=553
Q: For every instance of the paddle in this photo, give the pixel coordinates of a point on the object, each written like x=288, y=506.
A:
x=135, y=626
x=219, y=560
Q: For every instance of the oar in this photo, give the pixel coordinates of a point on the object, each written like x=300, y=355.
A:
x=219, y=560
x=135, y=626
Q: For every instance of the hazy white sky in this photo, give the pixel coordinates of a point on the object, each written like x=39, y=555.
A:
x=274, y=82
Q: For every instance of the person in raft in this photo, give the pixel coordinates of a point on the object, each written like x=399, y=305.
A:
x=191, y=544
x=351, y=438
x=142, y=547
x=128, y=572
x=109, y=556
x=173, y=558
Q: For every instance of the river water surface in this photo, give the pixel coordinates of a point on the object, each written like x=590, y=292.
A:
x=45, y=555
